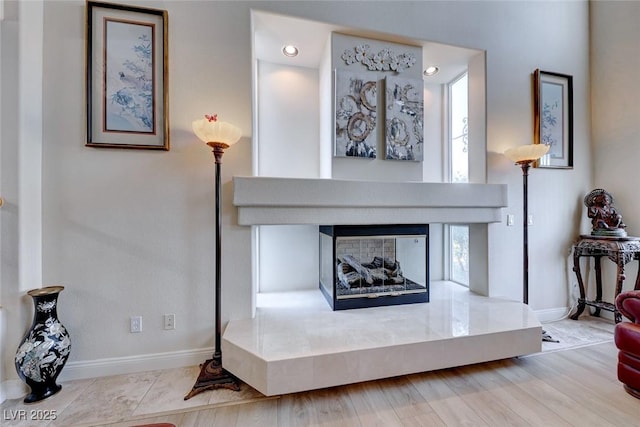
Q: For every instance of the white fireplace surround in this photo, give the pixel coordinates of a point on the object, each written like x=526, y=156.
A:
x=333, y=348
x=318, y=201
x=288, y=201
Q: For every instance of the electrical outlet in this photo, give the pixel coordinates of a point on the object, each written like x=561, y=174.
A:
x=169, y=321
x=136, y=323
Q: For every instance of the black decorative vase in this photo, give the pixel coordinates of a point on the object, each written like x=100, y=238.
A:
x=45, y=348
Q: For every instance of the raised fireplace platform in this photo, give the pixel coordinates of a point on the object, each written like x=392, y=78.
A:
x=297, y=343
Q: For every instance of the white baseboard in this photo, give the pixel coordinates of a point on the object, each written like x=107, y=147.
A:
x=14, y=389
x=552, y=314
x=140, y=363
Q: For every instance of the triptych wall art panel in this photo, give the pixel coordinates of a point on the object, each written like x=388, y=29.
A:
x=356, y=115
x=404, y=119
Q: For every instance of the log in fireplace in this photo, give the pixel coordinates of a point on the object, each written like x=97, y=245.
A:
x=374, y=265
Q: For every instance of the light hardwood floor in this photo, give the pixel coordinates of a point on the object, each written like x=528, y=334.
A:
x=567, y=388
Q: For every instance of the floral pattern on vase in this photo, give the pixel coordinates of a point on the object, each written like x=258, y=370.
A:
x=45, y=348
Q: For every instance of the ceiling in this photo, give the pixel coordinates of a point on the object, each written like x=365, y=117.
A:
x=273, y=31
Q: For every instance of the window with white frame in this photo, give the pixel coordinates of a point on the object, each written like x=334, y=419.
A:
x=458, y=143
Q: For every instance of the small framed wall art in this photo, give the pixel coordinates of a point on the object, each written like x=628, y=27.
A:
x=553, y=118
x=126, y=77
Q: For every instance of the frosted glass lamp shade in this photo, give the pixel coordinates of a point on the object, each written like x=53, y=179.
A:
x=214, y=131
x=526, y=153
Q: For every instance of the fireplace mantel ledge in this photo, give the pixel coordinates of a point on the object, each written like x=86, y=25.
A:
x=288, y=201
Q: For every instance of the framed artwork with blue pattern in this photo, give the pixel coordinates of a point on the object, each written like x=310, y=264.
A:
x=553, y=118
x=126, y=66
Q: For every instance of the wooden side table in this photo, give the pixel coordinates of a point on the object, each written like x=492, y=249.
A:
x=620, y=250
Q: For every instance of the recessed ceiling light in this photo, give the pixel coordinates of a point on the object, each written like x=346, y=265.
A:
x=290, y=50
x=431, y=70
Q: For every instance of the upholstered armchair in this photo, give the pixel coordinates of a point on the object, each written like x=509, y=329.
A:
x=627, y=339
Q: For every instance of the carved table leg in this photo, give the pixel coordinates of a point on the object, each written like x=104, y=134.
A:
x=620, y=280
x=598, y=270
x=581, y=300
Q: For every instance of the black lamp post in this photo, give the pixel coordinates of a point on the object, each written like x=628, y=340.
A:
x=219, y=136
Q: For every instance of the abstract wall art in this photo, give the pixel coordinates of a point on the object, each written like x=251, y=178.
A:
x=355, y=114
x=404, y=124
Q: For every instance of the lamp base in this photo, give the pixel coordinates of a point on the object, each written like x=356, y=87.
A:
x=212, y=376
x=548, y=338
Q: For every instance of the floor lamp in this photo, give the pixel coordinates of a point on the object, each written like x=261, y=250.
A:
x=523, y=156
x=219, y=136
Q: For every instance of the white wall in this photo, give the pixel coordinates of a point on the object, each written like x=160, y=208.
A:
x=288, y=121
x=615, y=111
x=289, y=131
x=288, y=258
x=131, y=232
x=552, y=36
x=432, y=165
x=21, y=156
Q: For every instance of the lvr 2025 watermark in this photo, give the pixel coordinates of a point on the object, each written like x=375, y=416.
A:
x=29, y=414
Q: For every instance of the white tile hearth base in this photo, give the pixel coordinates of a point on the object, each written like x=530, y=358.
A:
x=297, y=343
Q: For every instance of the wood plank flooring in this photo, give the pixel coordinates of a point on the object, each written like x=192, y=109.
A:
x=575, y=387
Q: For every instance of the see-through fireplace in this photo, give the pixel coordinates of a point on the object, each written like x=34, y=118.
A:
x=374, y=265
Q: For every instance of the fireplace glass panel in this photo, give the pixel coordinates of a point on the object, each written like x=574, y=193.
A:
x=326, y=263
x=364, y=266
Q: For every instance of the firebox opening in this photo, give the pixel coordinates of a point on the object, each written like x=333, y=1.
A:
x=374, y=265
